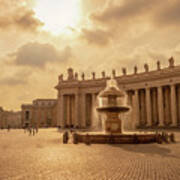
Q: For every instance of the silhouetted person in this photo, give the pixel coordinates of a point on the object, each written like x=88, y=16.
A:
x=8, y=128
x=65, y=137
x=36, y=129
x=33, y=131
x=30, y=131
x=25, y=128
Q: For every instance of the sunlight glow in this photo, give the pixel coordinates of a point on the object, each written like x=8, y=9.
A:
x=58, y=16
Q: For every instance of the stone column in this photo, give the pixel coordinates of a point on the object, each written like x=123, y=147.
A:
x=61, y=110
x=167, y=107
x=143, y=108
x=94, y=112
x=160, y=106
x=83, y=110
x=178, y=104
x=128, y=98
x=173, y=106
x=130, y=116
x=68, y=110
x=73, y=110
x=58, y=112
x=137, y=111
x=148, y=107
x=77, y=109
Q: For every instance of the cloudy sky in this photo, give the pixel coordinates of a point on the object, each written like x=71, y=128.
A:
x=40, y=39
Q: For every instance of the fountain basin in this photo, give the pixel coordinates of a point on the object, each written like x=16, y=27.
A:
x=116, y=138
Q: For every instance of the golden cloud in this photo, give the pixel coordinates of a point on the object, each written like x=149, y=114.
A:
x=38, y=55
x=96, y=36
x=14, y=14
x=122, y=17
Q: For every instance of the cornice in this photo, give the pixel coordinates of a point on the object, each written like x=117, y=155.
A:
x=154, y=75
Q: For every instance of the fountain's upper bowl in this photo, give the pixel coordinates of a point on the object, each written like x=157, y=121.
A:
x=113, y=109
x=111, y=91
x=112, y=99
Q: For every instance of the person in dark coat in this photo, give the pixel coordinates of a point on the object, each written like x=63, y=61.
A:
x=65, y=137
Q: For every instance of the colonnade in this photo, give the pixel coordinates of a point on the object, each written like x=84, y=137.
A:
x=77, y=110
x=151, y=107
x=156, y=106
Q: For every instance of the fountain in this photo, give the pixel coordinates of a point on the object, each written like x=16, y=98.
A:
x=112, y=103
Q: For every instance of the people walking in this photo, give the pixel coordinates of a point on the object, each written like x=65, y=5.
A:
x=65, y=137
x=30, y=131
x=33, y=131
x=8, y=128
x=36, y=129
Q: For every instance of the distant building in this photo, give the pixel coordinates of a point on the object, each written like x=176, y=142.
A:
x=41, y=113
x=10, y=118
x=153, y=95
x=13, y=119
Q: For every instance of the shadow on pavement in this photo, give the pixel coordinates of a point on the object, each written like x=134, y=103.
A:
x=151, y=149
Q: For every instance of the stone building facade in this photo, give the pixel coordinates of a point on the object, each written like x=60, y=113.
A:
x=10, y=119
x=41, y=113
x=153, y=95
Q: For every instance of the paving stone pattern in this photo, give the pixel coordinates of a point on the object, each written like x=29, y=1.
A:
x=43, y=156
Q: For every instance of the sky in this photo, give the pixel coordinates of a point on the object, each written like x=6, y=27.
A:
x=41, y=39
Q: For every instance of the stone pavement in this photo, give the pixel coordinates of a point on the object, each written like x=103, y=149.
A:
x=45, y=157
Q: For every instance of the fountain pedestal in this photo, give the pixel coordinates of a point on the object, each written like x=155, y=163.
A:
x=114, y=106
x=113, y=123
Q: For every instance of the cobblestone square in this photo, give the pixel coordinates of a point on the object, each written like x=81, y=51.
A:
x=43, y=156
